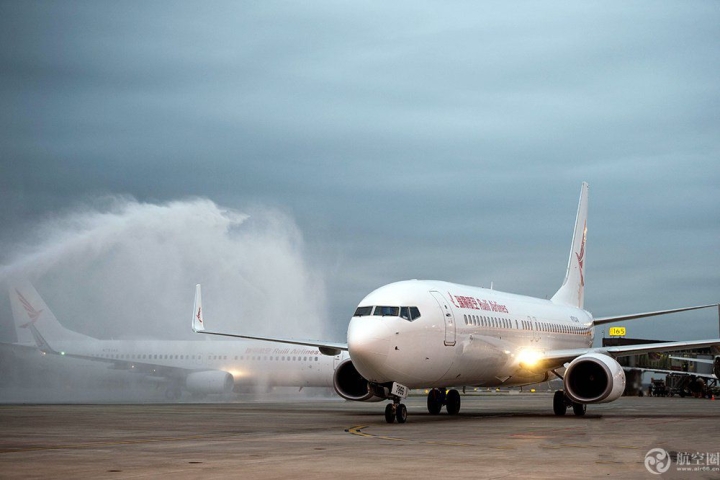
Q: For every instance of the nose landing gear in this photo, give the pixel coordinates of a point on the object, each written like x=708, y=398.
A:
x=395, y=411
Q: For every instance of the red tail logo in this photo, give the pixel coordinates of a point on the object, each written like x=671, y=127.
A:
x=32, y=313
x=198, y=316
x=581, y=256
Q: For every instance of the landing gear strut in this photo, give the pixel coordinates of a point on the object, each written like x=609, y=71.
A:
x=437, y=398
x=561, y=402
x=173, y=393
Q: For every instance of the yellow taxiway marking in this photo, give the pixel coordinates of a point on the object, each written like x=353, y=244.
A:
x=76, y=446
x=357, y=430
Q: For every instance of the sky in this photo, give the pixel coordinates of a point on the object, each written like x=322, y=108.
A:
x=294, y=156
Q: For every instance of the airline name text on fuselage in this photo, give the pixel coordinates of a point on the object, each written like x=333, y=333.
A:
x=473, y=303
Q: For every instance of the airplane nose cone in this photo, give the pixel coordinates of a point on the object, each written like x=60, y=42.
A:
x=369, y=344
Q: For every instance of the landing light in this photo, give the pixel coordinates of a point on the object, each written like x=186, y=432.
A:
x=529, y=358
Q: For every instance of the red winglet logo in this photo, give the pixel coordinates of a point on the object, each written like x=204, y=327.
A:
x=198, y=316
x=32, y=313
x=581, y=256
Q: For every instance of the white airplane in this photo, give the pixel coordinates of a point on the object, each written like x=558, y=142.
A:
x=438, y=335
x=192, y=366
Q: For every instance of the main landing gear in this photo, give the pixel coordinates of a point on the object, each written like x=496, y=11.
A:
x=561, y=402
x=438, y=397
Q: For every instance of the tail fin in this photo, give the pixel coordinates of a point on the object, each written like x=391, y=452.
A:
x=197, y=320
x=572, y=291
x=34, y=322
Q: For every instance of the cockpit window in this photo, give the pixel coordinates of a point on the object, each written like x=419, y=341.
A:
x=409, y=313
x=386, y=311
x=363, y=311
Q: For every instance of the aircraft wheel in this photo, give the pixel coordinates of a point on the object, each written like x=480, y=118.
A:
x=579, y=409
x=401, y=413
x=173, y=393
x=559, y=405
x=434, y=401
x=452, y=403
x=390, y=413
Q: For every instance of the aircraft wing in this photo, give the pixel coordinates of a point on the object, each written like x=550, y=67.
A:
x=198, y=326
x=696, y=360
x=19, y=347
x=551, y=359
x=633, y=316
x=709, y=376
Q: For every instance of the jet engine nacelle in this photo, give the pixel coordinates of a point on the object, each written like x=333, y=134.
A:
x=594, y=378
x=214, y=381
x=350, y=385
x=716, y=367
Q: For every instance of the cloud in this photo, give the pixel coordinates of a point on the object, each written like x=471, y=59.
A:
x=443, y=141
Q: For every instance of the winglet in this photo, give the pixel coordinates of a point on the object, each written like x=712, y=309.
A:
x=198, y=325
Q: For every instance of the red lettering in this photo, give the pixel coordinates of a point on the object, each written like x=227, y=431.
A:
x=473, y=303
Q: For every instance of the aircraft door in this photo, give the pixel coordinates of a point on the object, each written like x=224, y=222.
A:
x=449, y=318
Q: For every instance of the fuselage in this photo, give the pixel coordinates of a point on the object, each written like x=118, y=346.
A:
x=249, y=363
x=462, y=335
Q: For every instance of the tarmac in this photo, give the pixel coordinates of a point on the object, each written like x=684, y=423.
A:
x=494, y=436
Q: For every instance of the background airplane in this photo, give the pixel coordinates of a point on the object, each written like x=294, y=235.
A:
x=715, y=375
x=183, y=366
x=439, y=335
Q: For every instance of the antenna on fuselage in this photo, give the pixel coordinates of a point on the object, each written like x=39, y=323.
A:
x=492, y=285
